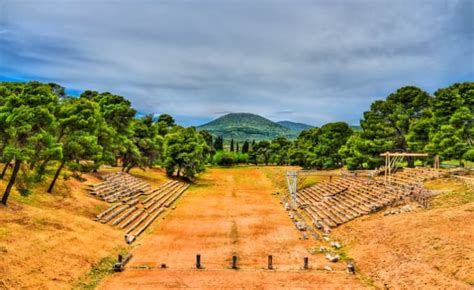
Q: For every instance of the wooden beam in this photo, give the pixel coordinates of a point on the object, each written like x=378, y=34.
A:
x=404, y=154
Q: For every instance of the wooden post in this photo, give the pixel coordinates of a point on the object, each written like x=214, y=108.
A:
x=389, y=169
x=234, y=262
x=270, y=262
x=198, y=261
x=120, y=258
x=305, y=266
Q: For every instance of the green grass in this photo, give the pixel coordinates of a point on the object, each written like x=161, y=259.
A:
x=99, y=271
x=467, y=164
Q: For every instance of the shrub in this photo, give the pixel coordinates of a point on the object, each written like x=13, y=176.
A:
x=225, y=158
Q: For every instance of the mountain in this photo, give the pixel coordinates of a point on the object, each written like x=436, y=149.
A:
x=294, y=126
x=246, y=126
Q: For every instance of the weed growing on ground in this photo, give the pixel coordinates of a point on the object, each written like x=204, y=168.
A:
x=99, y=271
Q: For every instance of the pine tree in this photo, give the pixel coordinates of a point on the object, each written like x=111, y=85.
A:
x=232, y=145
x=219, y=143
x=245, y=147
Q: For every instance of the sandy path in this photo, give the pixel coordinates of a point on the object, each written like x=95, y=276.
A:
x=230, y=211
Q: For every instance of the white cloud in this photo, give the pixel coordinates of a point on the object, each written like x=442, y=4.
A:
x=323, y=61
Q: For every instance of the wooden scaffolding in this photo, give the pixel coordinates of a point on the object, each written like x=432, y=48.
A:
x=392, y=158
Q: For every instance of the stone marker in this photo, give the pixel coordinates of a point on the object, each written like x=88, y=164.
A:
x=350, y=268
x=198, y=261
x=234, y=262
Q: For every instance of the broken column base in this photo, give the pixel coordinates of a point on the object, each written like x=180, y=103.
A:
x=129, y=238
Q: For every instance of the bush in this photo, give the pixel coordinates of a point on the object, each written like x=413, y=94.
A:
x=226, y=158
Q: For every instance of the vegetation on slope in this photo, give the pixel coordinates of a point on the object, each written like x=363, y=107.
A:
x=298, y=127
x=246, y=126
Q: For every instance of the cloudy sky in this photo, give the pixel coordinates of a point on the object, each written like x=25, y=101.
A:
x=307, y=61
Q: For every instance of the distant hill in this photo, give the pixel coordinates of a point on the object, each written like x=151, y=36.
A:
x=246, y=126
x=294, y=126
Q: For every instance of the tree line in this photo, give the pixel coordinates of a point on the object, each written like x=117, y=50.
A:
x=408, y=120
x=43, y=131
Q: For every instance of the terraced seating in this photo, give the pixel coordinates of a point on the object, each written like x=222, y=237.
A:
x=118, y=185
x=348, y=197
x=137, y=204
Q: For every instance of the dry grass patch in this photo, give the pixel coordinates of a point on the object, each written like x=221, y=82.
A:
x=48, y=241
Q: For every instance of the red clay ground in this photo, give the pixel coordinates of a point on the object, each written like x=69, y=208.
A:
x=229, y=211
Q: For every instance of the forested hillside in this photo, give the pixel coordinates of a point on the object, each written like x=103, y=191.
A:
x=294, y=125
x=246, y=126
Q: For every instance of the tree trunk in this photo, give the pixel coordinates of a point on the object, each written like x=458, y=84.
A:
x=51, y=186
x=42, y=167
x=5, y=170
x=11, y=182
x=411, y=162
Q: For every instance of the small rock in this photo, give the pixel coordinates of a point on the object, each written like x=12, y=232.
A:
x=336, y=245
x=129, y=239
x=350, y=268
x=323, y=249
x=334, y=259
x=326, y=239
x=328, y=256
x=327, y=268
x=300, y=226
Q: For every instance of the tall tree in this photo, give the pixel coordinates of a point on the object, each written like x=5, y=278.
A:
x=25, y=114
x=232, y=145
x=319, y=147
x=115, y=132
x=386, y=127
x=280, y=148
x=219, y=143
x=211, y=151
x=79, y=121
x=144, y=148
x=245, y=147
x=185, y=153
x=260, y=153
x=452, y=130
x=165, y=124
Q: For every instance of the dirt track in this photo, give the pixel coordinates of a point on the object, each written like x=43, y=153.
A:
x=230, y=211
